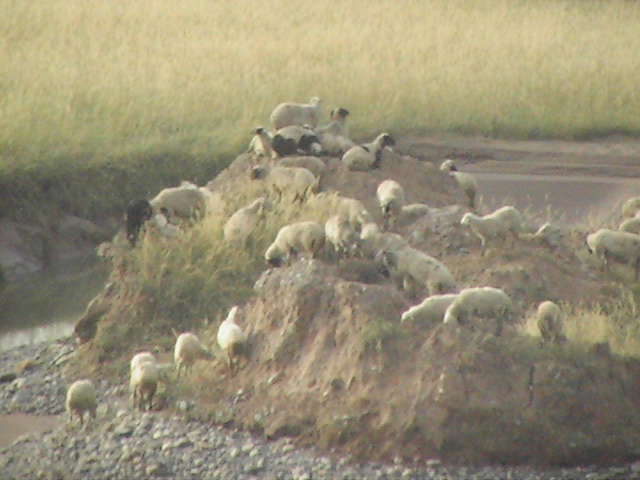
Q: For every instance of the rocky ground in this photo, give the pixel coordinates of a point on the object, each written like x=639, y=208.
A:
x=126, y=444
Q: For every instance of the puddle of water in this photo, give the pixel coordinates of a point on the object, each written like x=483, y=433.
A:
x=15, y=425
x=45, y=306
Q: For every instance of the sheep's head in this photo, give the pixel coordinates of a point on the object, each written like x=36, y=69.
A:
x=386, y=140
x=386, y=261
x=137, y=212
x=448, y=166
x=339, y=114
x=259, y=172
x=258, y=130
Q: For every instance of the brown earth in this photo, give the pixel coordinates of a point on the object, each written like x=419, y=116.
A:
x=332, y=365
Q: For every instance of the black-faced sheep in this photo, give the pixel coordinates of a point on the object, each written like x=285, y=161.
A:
x=232, y=339
x=612, y=244
x=136, y=214
x=81, y=399
x=369, y=155
x=290, y=113
x=483, y=302
x=301, y=237
x=506, y=221
x=261, y=143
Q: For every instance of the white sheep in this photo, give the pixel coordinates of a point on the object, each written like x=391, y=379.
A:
x=299, y=182
x=430, y=310
x=240, y=226
x=300, y=237
x=416, y=270
x=337, y=125
x=467, y=182
x=504, y=221
x=164, y=227
x=311, y=163
x=612, y=244
x=341, y=235
x=410, y=213
x=368, y=155
x=140, y=358
x=483, y=302
x=334, y=137
x=549, y=321
x=297, y=114
x=630, y=225
x=631, y=207
x=144, y=383
x=81, y=399
x=391, y=200
x=295, y=139
x=185, y=201
x=232, y=339
x=261, y=143
x=373, y=240
x=354, y=210
x=187, y=351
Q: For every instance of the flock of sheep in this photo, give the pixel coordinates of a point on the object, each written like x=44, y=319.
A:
x=292, y=169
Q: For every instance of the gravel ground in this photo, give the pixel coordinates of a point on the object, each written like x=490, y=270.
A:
x=126, y=444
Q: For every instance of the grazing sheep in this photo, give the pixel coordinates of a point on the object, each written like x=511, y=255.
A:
x=430, y=310
x=631, y=207
x=549, y=321
x=140, y=358
x=238, y=229
x=143, y=384
x=372, y=240
x=294, y=140
x=630, y=225
x=231, y=339
x=612, y=244
x=261, y=143
x=416, y=270
x=505, y=220
x=341, y=235
x=467, y=182
x=311, y=163
x=187, y=201
x=298, y=181
x=484, y=302
x=136, y=214
x=354, y=210
x=187, y=351
x=301, y=237
x=368, y=155
x=288, y=113
x=391, y=200
x=81, y=399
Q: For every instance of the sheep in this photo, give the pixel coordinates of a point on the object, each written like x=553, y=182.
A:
x=467, y=182
x=368, y=155
x=166, y=228
x=238, y=229
x=338, y=125
x=81, y=399
x=186, y=201
x=231, y=339
x=341, y=235
x=612, y=244
x=295, y=139
x=334, y=137
x=307, y=237
x=288, y=113
x=372, y=240
x=430, y=310
x=484, y=302
x=143, y=384
x=549, y=321
x=187, y=351
x=136, y=214
x=410, y=213
x=298, y=181
x=261, y=143
x=140, y=358
x=631, y=207
x=416, y=269
x=311, y=163
x=503, y=221
x=630, y=225
x=354, y=210
x=391, y=200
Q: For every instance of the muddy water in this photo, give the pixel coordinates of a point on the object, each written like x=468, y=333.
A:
x=44, y=306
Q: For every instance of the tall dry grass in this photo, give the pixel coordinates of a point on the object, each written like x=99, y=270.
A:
x=114, y=77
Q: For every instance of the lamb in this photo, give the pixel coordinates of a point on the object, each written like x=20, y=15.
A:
x=504, y=221
x=549, y=321
x=341, y=235
x=484, y=302
x=288, y=113
x=296, y=139
x=430, y=310
x=311, y=163
x=81, y=399
x=136, y=214
x=630, y=225
x=307, y=237
x=143, y=383
x=187, y=351
x=391, y=200
x=186, y=201
x=298, y=181
x=238, y=229
x=631, y=207
x=231, y=339
x=612, y=244
x=261, y=143
x=369, y=155
x=416, y=270
x=334, y=137
x=467, y=182
x=372, y=240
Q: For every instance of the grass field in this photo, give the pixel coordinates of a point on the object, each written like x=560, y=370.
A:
x=123, y=84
